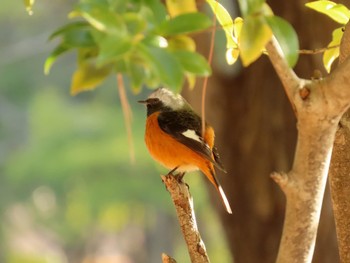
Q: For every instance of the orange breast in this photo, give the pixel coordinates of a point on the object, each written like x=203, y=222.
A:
x=169, y=152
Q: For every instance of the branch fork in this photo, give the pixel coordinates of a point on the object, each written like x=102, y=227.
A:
x=319, y=105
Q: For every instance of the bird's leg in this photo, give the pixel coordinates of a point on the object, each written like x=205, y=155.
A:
x=178, y=176
x=173, y=170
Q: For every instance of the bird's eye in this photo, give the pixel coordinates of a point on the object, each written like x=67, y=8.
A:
x=153, y=101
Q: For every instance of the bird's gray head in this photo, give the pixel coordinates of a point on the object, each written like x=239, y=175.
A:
x=163, y=99
x=168, y=98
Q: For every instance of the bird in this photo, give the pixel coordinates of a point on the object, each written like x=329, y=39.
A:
x=174, y=138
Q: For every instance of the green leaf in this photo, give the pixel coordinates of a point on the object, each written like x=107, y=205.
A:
x=249, y=7
x=135, y=23
x=59, y=50
x=184, y=24
x=337, y=12
x=286, y=37
x=254, y=36
x=76, y=34
x=112, y=47
x=193, y=62
x=158, y=10
x=164, y=64
x=88, y=77
x=332, y=53
x=137, y=74
x=100, y=17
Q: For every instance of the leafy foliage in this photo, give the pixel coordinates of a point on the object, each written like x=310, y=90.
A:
x=130, y=38
x=249, y=36
x=340, y=14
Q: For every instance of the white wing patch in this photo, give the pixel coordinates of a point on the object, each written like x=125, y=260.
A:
x=192, y=135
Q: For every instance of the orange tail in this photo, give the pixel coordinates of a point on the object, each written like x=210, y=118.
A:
x=210, y=174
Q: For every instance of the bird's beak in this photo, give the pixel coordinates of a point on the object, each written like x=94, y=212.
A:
x=143, y=101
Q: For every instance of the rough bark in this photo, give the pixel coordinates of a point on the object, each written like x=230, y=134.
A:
x=339, y=175
x=183, y=203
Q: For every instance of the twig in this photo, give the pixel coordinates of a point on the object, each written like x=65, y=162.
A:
x=315, y=51
x=183, y=202
x=127, y=115
x=210, y=59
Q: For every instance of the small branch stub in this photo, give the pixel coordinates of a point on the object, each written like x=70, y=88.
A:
x=281, y=179
x=183, y=202
x=167, y=259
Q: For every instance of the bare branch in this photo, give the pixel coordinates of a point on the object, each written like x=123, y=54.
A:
x=289, y=79
x=185, y=213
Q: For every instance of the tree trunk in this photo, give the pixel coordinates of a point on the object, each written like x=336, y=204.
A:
x=256, y=135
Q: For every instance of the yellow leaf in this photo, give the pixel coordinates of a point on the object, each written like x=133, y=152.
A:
x=237, y=27
x=29, y=6
x=254, y=36
x=183, y=42
x=331, y=54
x=178, y=7
x=88, y=77
x=191, y=79
x=232, y=55
x=225, y=20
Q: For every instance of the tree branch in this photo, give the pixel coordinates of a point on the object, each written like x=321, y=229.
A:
x=318, y=113
x=289, y=79
x=340, y=165
x=184, y=209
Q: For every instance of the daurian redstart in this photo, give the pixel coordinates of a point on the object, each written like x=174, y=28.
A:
x=174, y=138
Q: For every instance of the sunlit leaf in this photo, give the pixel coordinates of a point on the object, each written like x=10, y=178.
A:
x=88, y=77
x=193, y=62
x=254, y=36
x=185, y=23
x=181, y=42
x=191, y=80
x=179, y=7
x=337, y=12
x=232, y=55
x=332, y=53
x=286, y=37
x=237, y=27
x=226, y=22
x=29, y=6
x=59, y=50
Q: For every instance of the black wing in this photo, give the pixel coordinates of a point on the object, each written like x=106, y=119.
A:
x=175, y=123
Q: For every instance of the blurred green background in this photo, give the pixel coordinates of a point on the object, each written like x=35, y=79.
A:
x=68, y=189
